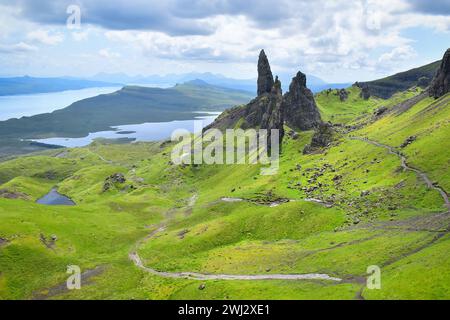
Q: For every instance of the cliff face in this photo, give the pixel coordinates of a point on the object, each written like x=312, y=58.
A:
x=273, y=118
x=270, y=109
x=299, y=105
x=441, y=82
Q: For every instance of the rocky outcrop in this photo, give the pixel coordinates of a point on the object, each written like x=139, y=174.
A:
x=408, y=141
x=322, y=139
x=264, y=112
x=9, y=194
x=299, y=106
x=265, y=77
x=365, y=90
x=112, y=180
x=343, y=94
x=270, y=109
x=440, y=84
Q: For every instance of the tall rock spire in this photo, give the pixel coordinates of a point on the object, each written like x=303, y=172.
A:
x=265, y=77
x=441, y=82
x=299, y=106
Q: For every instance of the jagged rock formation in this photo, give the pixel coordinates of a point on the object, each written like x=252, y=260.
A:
x=441, y=82
x=265, y=77
x=299, y=105
x=264, y=112
x=270, y=109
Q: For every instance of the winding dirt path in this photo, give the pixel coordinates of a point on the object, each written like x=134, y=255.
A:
x=405, y=166
x=100, y=157
x=429, y=183
x=136, y=259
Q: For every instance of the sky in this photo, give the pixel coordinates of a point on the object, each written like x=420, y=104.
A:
x=336, y=40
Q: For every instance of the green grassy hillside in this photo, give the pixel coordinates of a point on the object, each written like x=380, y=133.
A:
x=386, y=87
x=333, y=213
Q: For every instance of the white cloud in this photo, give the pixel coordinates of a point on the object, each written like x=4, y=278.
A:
x=44, y=37
x=398, y=54
x=80, y=36
x=337, y=40
x=108, y=54
x=20, y=47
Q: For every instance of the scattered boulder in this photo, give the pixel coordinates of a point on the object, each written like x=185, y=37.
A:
x=49, y=243
x=408, y=141
x=343, y=95
x=112, y=180
x=440, y=84
x=9, y=194
x=293, y=135
x=322, y=138
x=365, y=193
x=3, y=242
x=380, y=111
x=182, y=233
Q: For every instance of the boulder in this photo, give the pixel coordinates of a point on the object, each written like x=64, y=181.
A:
x=408, y=141
x=380, y=111
x=322, y=138
x=112, y=180
x=343, y=95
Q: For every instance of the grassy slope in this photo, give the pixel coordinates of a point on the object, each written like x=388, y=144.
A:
x=243, y=237
x=429, y=121
x=336, y=111
x=402, y=81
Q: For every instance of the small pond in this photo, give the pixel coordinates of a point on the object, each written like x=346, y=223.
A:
x=54, y=198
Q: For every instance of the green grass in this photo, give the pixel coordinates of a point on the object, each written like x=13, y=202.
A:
x=337, y=111
x=381, y=215
x=387, y=87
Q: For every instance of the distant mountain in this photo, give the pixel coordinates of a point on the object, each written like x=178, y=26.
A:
x=173, y=79
x=316, y=84
x=386, y=87
x=130, y=105
x=29, y=85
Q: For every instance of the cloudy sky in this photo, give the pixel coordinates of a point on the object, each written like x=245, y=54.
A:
x=336, y=40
